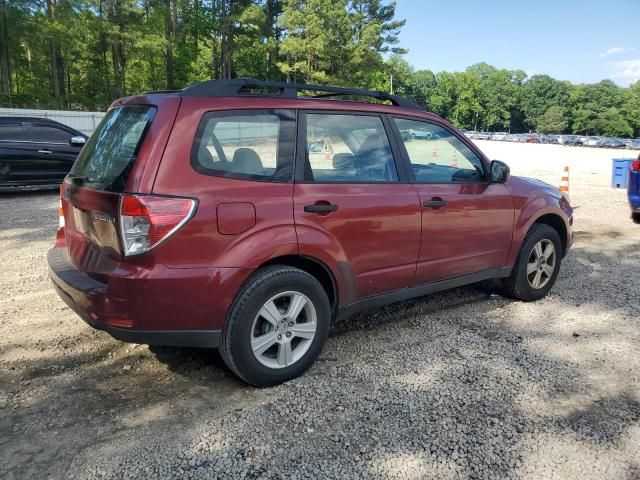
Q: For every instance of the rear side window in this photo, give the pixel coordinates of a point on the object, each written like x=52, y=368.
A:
x=107, y=158
x=247, y=144
x=47, y=134
x=11, y=132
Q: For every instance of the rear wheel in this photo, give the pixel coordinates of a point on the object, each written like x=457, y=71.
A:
x=635, y=216
x=537, y=265
x=277, y=326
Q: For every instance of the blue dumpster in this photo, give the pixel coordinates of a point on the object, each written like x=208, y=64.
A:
x=620, y=172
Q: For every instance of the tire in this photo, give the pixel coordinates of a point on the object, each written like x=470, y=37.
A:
x=252, y=316
x=635, y=216
x=520, y=285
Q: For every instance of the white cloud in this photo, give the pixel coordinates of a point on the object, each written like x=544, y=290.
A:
x=616, y=50
x=626, y=72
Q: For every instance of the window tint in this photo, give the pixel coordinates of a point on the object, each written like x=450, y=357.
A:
x=253, y=145
x=437, y=155
x=11, y=132
x=348, y=148
x=106, y=160
x=47, y=134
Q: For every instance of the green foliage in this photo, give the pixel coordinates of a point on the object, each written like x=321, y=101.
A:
x=553, y=120
x=81, y=54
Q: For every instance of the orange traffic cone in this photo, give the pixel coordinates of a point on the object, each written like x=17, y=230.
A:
x=454, y=160
x=434, y=152
x=327, y=152
x=564, y=182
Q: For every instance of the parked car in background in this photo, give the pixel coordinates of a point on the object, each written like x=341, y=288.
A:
x=36, y=153
x=201, y=218
x=545, y=138
x=613, y=143
x=531, y=138
x=483, y=136
x=471, y=134
x=420, y=133
x=633, y=190
x=499, y=136
x=570, y=140
x=634, y=144
x=593, y=141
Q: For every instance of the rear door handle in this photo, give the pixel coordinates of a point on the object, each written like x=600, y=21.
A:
x=320, y=208
x=47, y=152
x=435, y=203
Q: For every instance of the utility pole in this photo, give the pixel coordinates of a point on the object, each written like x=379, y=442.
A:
x=391, y=75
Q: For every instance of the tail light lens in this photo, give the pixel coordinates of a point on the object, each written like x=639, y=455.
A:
x=635, y=166
x=60, y=215
x=147, y=220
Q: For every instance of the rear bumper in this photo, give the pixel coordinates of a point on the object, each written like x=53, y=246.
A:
x=91, y=299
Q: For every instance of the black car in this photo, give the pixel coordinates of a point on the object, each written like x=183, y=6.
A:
x=36, y=153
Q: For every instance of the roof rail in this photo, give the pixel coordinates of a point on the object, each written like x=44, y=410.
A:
x=243, y=86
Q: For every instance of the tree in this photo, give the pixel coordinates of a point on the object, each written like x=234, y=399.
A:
x=554, y=120
x=539, y=93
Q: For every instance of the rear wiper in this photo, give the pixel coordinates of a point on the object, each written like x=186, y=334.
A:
x=75, y=178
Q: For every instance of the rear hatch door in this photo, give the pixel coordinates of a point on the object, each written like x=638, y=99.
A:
x=121, y=156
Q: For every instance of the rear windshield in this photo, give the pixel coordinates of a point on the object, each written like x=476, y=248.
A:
x=108, y=156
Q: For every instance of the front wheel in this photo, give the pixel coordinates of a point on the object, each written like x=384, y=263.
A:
x=635, y=216
x=537, y=265
x=277, y=326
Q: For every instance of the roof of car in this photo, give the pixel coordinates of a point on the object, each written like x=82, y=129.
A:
x=30, y=119
x=249, y=87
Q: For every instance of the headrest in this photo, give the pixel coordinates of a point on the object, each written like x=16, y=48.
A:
x=343, y=161
x=372, y=153
x=246, y=160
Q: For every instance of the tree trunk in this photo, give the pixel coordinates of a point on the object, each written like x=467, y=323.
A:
x=5, y=64
x=117, y=72
x=170, y=31
x=57, y=62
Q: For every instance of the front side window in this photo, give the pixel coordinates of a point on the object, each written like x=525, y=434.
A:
x=348, y=148
x=251, y=145
x=437, y=155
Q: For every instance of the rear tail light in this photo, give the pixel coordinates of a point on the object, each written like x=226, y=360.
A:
x=635, y=166
x=60, y=215
x=147, y=220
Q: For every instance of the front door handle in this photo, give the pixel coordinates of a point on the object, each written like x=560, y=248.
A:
x=321, y=208
x=47, y=152
x=435, y=203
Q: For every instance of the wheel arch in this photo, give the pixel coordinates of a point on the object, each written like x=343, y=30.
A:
x=556, y=222
x=313, y=267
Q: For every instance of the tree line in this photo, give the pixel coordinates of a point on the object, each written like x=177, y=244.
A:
x=81, y=54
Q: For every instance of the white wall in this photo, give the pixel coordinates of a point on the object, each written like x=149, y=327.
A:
x=86, y=122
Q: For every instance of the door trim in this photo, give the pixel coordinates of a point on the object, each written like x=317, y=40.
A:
x=419, y=291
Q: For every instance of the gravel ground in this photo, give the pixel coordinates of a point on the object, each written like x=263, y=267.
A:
x=462, y=384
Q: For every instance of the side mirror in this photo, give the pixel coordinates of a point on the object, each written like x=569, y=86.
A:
x=499, y=172
x=77, y=140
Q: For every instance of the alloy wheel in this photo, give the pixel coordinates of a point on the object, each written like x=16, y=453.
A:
x=541, y=264
x=284, y=329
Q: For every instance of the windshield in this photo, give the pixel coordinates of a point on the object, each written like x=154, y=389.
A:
x=108, y=157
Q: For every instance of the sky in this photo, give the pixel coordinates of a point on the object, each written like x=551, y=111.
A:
x=580, y=41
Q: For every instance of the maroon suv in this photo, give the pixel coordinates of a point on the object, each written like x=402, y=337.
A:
x=240, y=215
